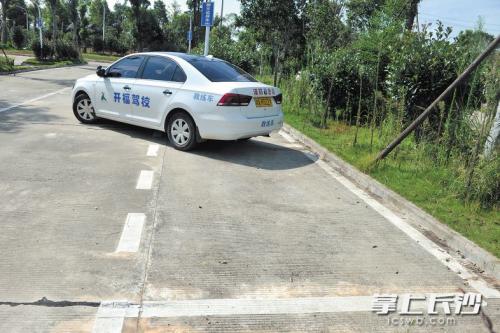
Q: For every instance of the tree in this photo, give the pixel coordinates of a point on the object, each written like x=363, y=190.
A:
x=195, y=8
x=411, y=13
x=5, y=5
x=138, y=8
x=359, y=12
x=83, y=27
x=160, y=12
x=53, y=14
x=75, y=19
x=18, y=37
x=275, y=22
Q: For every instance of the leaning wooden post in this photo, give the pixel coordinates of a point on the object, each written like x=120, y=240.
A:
x=448, y=90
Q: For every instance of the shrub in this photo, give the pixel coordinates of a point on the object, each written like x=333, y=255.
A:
x=42, y=54
x=115, y=45
x=485, y=183
x=6, y=64
x=66, y=51
x=98, y=44
x=18, y=37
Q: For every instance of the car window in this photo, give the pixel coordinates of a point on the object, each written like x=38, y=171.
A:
x=220, y=71
x=126, y=68
x=159, y=68
x=179, y=75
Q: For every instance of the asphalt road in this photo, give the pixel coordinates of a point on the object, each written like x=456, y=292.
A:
x=106, y=228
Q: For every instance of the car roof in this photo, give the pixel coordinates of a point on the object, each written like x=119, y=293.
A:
x=184, y=56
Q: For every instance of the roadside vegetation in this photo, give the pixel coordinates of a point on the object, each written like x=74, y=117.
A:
x=354, y=74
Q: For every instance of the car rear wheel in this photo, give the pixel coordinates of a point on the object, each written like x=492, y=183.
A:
x=181, y=131
x=83, y=109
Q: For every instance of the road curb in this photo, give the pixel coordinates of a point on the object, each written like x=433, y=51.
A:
x=40, y=68
x=478, y=259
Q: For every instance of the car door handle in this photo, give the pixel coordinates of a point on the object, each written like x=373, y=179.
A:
x=127, y=88
x=167, y=92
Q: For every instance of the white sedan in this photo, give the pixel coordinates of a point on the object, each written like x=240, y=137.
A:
x=191, y=98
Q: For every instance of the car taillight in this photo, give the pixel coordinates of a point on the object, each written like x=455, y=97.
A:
x=234, y=100
x=278, y=98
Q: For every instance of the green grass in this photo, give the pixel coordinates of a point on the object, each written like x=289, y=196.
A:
x=33, y=63
x=26, y=52
x=50, y=63
x=99, y=57
x=412, y=174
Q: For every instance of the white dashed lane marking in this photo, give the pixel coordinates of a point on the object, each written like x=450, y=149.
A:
x=153, y=150
x=32, y=100
x=145, y=181
x=131, y=234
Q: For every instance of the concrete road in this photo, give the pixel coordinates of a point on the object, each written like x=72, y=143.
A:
x=106, y=228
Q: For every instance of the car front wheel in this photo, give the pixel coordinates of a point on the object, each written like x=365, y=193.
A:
x=83, y=109
x=181, y=131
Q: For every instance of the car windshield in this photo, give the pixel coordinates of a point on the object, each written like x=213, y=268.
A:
x=220, y=71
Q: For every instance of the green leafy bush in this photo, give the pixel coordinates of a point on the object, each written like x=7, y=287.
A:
x=98, y=44
x=42, y=53
x=66, y=51
x=6, y=64
x=18, y=37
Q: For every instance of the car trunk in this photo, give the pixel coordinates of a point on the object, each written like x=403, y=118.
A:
x=262, y=103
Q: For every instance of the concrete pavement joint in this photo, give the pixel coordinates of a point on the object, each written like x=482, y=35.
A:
x=151, y=239
x=473, y=279
x=54, y=304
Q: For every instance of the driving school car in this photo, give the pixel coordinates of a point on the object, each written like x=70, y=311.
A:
x=191, y=98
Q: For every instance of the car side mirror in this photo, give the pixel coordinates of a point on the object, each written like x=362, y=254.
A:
x=101, y=72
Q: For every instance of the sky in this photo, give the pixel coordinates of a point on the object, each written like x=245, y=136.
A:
x=230, y=6
x=462, y=14
x=459, y=14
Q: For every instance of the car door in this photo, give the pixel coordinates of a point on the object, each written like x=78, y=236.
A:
x=113, y=92
x=156, y=87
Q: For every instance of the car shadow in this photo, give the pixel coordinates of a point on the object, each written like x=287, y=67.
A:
x=14, y=121
x=252, y=153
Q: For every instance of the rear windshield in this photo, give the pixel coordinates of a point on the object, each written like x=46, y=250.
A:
x=220, y=71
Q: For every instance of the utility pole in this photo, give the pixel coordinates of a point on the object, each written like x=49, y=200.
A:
x=103, y=20
x=207, y=40
x=221, y=13
x=190, y=33
x=387, y=150
x=207, y=21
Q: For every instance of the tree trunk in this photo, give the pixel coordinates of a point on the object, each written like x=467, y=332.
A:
x=4, y=21
x=358, y=116
x=328, y=100
x=411, y=13
x=54, y=27
x=494, y=133
x=276, y=66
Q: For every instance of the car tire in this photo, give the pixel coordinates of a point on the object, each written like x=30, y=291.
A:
x=83, y=109
x=181, y=131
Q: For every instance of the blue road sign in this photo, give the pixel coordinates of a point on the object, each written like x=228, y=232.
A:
x=38, y=23
x=207, y=14
x=189, y=35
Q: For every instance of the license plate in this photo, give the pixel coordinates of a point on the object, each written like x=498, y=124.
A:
x=263, y=102
x=267, y=123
